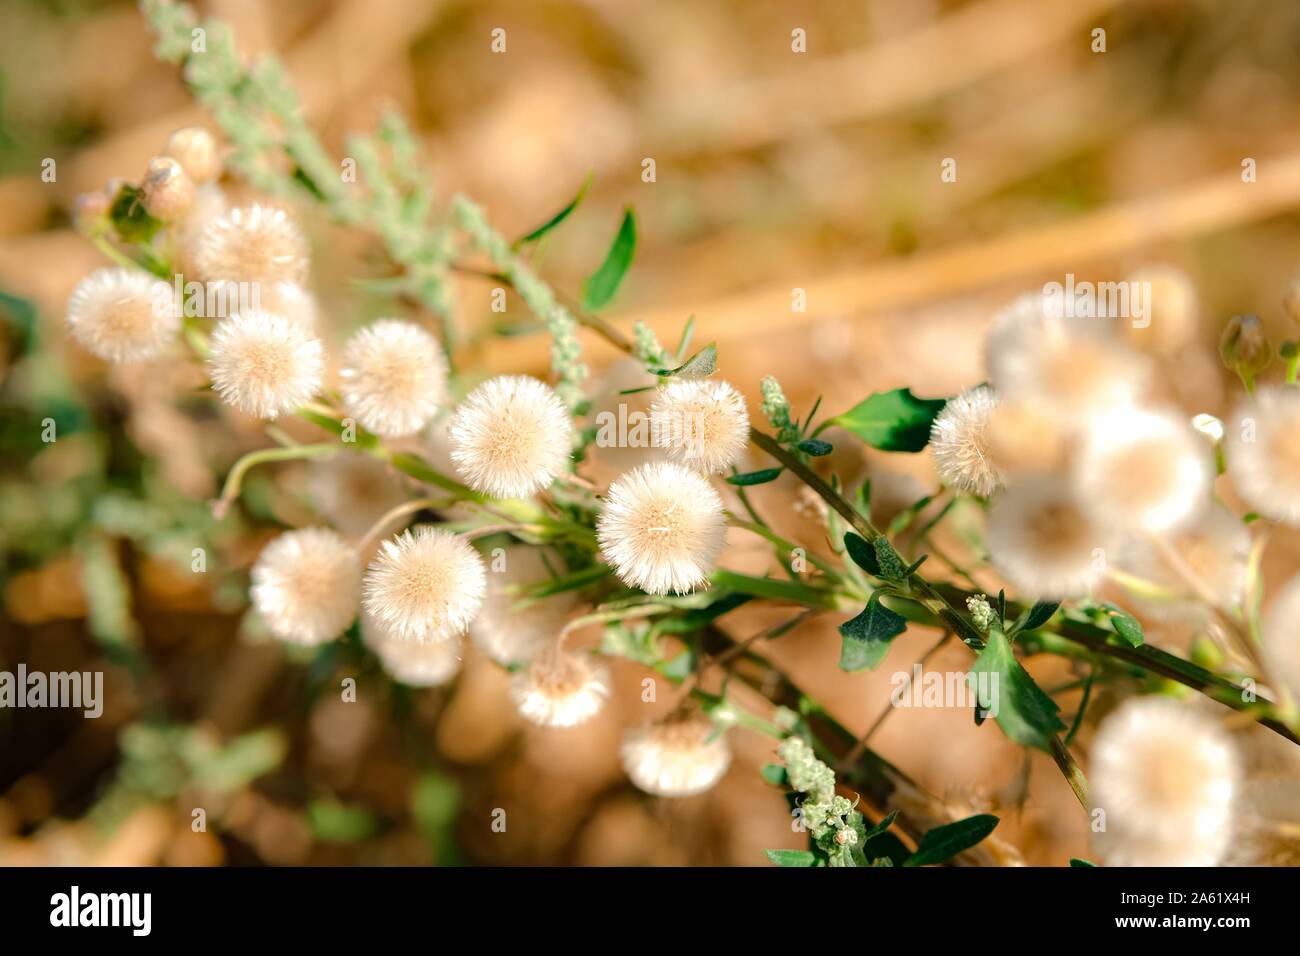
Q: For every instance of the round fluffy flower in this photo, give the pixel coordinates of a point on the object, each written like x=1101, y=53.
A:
x=701, y=422
x=957, y=442
x=306, y=585
x=662, y=528
x=1043, y=542
x=511, y=437
x=1166, y=777
x=1149, y=471
x=506, y=632
x=1264, y=452
x=123, y=315
x=677, y=757
x=252, y=244
x=394, y=377
x=1024, y=438
x=1282, y=639
x=417, y=665
x=1215, y=548
x=290, y=300
x=424, y=586
x=560, y=689
x=1173, y=320
x=1072, y=365
x=264, y=364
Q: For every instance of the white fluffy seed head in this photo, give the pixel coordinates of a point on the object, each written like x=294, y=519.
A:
x=1071, y=365
x=677, y=757
x=424, y=586
x=252, y=244
x=511, y=437
x=1215, y=548
x=957, y=442
x=1166, y=777
x=1282, y=640
x=416, y=665
x=507, y=632
x=394, y=377
x=264, y=364
x=662, y=528
x=560, y=689
x=306, y=586
x=123, y=315
x=1264, y=452
x=1147, y=471
x=700, y=422
x=1044, y=542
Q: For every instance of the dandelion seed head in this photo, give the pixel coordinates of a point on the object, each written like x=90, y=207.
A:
x=1044, y=542
x=1166, y=776
x=1145, y=470
x=394, y=377
x=511, y=437
x=1264, y=452
x=560, y=689
x=677, y=757
x=123, y=315
x=662, y=528
x=307, y=585
x=252, y=244
x=700, y=422
x=416, y=665
x=425, y=585
x=958, y=443
x=264, y=364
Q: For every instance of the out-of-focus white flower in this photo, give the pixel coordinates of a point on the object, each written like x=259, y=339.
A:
x=503, y=630
x=123, y=315
x=1148, y=471
x=1282, y=639
x=662, y=528
x=417, y=665
x=1166, y=777
x=424, y=586
x=307, y=585
x=264, y=364
x=1264, y=452
x=394, y=377
x=677, y=757
x=351, y=491
x=957, y=442
x=1214, y=548
x=252, y=244
x=511, y=437
x=1172, y=322
x=292, y=301
x=701, y=422
x=560, y=689
x=1044, y=542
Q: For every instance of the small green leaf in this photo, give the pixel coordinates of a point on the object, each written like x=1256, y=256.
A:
x=881, y=827
x=761, y=477
x=866, y=638
x=862, y=553
x=1039, y=615
x=704, y=362
x=129, y=218
x=775, y=774
x=943, y=843
x=891, y=421
x=602, y=285
x=1076, y=862
x=815, y=447
x=890, y=561
x=791, y=857
x=558, y=218
x=1009, y=695
x=886, y=847
x=1127, y=627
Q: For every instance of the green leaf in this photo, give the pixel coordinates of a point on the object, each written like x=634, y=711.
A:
x=129, y=218
x=1076, y=862
x=886, y=846
x=881, y=827
x=791, y=857
x=555, y=220
x=333, y=822
x=943, y=843
x=776, y=775
x=761, y=477
x=862, y=553
x=704, y=362
x=603, y=284
x=1126, y=626
x=815, y=447
x=891, y=421
x=866, y=638
x=1039, y=615
x=1009, y=695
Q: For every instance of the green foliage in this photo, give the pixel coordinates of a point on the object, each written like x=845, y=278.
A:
x=891, y=421
x=1024, y=712
x=130, y=220
x=815, y=447
x=866, y=638
x=797, y=858
x=1126, y=626
x=602, y=285
x=555, y=220
x=943, y=843
x=334, y=822
x=702, y=363
x=760, y=477
x=862, y=553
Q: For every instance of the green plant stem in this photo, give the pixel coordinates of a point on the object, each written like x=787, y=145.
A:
x=235, y=479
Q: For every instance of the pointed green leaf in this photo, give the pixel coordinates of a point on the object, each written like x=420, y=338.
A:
x=760, y=477
x=602, y=285
x=880, y=827
x=1009, y=695
x=866, y=638
x=1039, y=615
x=943, y=843
x=862, y=553
x=1127, y=627
x=704, y=362
x=1076, y=862
x=815, y=447
x=892, y=421
x=791, y=857
x=558, y=218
